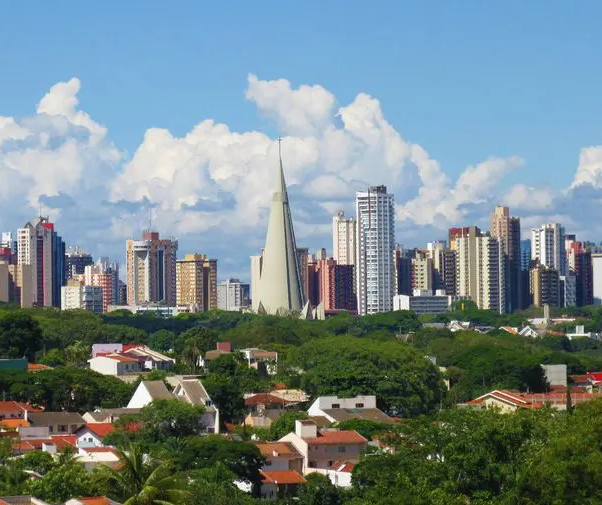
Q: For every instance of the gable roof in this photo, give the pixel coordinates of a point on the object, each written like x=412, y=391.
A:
x=264, y=399
x=52, y=418
x=100, y=429
x=101, y=414
x=281, y=477
x=327, y=437
x=193, y=390
x=157, y=390
x=272, y=450
x=12, y=406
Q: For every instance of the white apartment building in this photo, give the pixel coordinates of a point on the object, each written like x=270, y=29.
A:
x=480, y=271
x=375, y=250
x=26, y=254
x=232, y=295
x=344, y=231
x=597, y=277
x=424, y=302
x=548, y=246
x=79, y=296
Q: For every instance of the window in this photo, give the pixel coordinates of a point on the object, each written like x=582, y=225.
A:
x=50, y=429
x=268, y=463
x=336, y=405
x=342, y=449
x=62, y=427
x=359, y=405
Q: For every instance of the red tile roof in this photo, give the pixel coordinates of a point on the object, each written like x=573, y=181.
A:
x=264, y=399
x=272, y=450
x=100, y=429
x=36, y=367
x=12, y=406
x=96, y=500
x=281, y=477
x=337, y=437
x=13, y=423
x=536, y=400
x=594, y=376
x=343, y=466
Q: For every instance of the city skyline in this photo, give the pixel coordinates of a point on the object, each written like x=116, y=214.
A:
x=190, y=140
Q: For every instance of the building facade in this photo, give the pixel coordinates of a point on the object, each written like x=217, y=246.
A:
x=548, y=247
x=375, y=212
x=507, y=229
x=233, y=295
x=545, y=286
x=344, y=231
x=76, y=295
x=151, y=270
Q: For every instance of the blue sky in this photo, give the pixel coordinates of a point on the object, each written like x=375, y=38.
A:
x=466, y=81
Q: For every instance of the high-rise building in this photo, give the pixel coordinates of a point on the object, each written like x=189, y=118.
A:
x=76, y=295
x=507, y=228
x=344, y=232
x=303, y=258
x=480, y=270
x=334, y=284
x=403, y=272
x=548, y=246
x=435, y=251
x=43, y=249
x=16, y=284
x=448, y=272
x=96, y=275
x=280, y=286
x=455, y=233
x=375, y=271
x=76, y=260
x=545, y=286
x=196, y=282
x=233, y=295
x=151, y=270
x=422, y=272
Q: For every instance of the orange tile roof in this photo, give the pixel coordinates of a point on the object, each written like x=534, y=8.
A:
x=278, y=450
x=264, y=398
x=36, y=367
x=96, y=500
x=281, y=477
x=14, y=423
x=343, y=466
x=337, y=437
x=100, y=429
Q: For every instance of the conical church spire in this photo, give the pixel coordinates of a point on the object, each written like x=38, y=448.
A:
x=280, y=284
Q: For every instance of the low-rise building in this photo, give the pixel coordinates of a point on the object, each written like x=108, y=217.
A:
x=282, y=470
x=58, y=423
x=263, y=361
x=581, y=333
x=337, y=410
x=425, y=302
x=92, y=434
x=109, y=415
x=322, y=448
x=124, y=359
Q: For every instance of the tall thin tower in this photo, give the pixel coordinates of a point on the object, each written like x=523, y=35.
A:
x=280, y=289
x=375, y=250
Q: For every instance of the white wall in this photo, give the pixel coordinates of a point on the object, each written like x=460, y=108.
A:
x=103, y=365
x=140, y=399
x=597, y=278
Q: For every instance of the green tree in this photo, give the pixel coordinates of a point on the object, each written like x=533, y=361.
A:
x=162, y=340
x=140, y=480
x=20, y=335
x=227, y=395
x=171, y=418
x=77, y=354
x=62, y=483
x=319, y=491
x=368, y=429
x=53, y=358
x=285, y=424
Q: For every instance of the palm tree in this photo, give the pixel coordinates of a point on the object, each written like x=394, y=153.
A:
x=139, y=480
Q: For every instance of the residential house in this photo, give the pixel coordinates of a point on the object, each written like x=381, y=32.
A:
x=337, y=410
x=123, y=359
x=15, y=410
x=509, y=329
x=92, y=434
x=455, y=326
x=262, y=418
x=528, y=331
x=21, y=500
x=222, y=348
x=581, y=333
x=190, y=390
x=109, y=415
x=95, y=500
x=292, y=396
x=58, y=423
x=282, y=470
x=264, y=401
x=322, y=448
x=93, y=457
x=510, y=401
x=263, y=361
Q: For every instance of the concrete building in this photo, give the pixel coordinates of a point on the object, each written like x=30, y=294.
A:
x=422, y=272
x=94, y=275
x=375, y=271
x=448, y=272
x=480, y=270
x=280, y=286
x=233, y=295
x=507, y=229
x=425, y=302
x=403, y=272
x=344, y=232
x=568, y=289
x=76, y=260
x=597, y=278
x=455, y=233
x=196, y=283
x=334, y=285
x=548, y=246
x=545, y=286
x=151, y=269
x=76, y=295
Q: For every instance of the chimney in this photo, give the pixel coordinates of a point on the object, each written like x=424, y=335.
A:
x=305, y=428
x=224, y=346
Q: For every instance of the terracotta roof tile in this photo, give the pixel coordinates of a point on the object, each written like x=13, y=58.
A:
x=337, y=437
x=281, y=477
x=100, y=429
x=265, y=399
